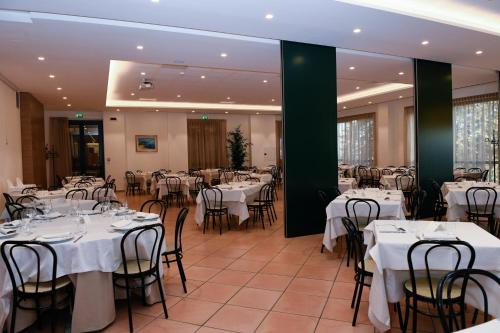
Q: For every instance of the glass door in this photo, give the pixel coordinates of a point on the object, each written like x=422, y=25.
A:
x=87, y=149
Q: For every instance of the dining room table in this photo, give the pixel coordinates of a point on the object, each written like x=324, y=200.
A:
x=347, y=169
x=209, y=175
x=235, y=196
x=346, y=184
x=387, y=243
x=87, y=245
x=392, y=206
x=187, y=183
x=454, y=194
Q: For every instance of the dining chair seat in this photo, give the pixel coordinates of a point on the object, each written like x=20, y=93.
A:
x=30, y=287
x=257, y=204
x=370, y=265
x=133, y=267
x=424, y=291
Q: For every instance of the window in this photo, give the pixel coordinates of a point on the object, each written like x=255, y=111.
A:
x=476, y=121
x=356, y=143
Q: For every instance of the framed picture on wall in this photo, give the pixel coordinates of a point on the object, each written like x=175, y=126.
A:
x=146, y=143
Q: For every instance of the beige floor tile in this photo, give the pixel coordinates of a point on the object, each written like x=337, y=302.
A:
x=277, y=322
x=255, y=298
x=270, y=282
x=299, y=303
x=237, y=319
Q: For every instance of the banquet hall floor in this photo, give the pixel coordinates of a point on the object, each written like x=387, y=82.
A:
x=251, y=281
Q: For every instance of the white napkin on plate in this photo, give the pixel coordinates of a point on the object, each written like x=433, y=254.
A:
x=56, y=235
x=438, y=235
x=121, y=224
x=6, y=232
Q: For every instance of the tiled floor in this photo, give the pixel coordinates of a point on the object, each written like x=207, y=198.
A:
x=252, y=281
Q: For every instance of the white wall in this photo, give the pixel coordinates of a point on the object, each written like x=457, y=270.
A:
x=263, y=139
x=10, y=139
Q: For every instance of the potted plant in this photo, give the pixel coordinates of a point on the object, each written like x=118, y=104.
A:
x=237, y=146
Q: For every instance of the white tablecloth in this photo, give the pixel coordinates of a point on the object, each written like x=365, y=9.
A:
x=187, y=183
x=389, y=251
x=234, y=199
x=392, y=209
x=488, y=327
x=389, y=181
x=209, y=174
x=98, y=251
x=454, y=194
x=348, y=169
x=346, y=184
x=142, y=178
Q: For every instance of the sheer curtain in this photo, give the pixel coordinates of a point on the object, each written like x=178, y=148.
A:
x=475, y=120
x=356, y=144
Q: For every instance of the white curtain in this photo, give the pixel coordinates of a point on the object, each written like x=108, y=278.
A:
x=356, y=144
x=410, y=132
x=474, y=123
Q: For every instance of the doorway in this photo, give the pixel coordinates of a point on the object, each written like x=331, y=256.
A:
x=87, y=148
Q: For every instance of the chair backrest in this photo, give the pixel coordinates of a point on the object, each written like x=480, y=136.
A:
x=173, y=184
x=179, y=225
x=90, y=179
x=417, y=200
x=460, y=169
x=26, y=199
x=362, y=210
x=8, y=198
x=155, y=206
x=83, y=184
x=158, y=232
x=113, y=204
x=481, y=200
x=386, y=172
x=212, y=197
x=30, y=190
x=484, y=282
x=474, y=170
x=404, y=182
x=436, y=191
x=77, y=193
x=100, y=193
x=14, y=210
x=375, y=173
x=17, y=254
x=431, y=252
x=265, y=193
x=130, y=176
x=484, y=175
x=356, y=241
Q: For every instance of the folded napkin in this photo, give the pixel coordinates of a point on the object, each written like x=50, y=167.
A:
x=438, y=235
x=56, y=235
x=11, y=225
x=89, y=212
x=122, y=212
x=121, y=224
x=146, y=216
x=389, y=228
x=6, y=232
x=48, y=216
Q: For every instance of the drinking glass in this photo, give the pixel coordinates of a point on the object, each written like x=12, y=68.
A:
x=26, y=220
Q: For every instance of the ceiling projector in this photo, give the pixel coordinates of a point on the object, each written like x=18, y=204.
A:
x=146, y=84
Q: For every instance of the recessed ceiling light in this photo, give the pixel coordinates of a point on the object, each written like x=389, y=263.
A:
x=52, y=76
x=223, y=55
x=228, y=98
x=140, y=47
x=352, y=68
x=203, y=76
x=226, y=112
x=155, y=1
x=132, y=94
x=64, y=97
x=478, y=52
x=143, y=73
x=193, y=111
x=357, y=88
x=370, y=102
x=59, y=88
x=179, y=96
x=400, y=96
x=257, y=113
x=181, y=73
x=157, y=110
x=269, y=16
x=344, y=107
x=273, y=100
x=41, y=58
x=425, y=42
x=69, y=104
x=401, y=73
x=264, y=81
x=118, y=110
x=357, y=30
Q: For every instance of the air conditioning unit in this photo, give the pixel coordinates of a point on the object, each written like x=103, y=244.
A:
x=146, y=84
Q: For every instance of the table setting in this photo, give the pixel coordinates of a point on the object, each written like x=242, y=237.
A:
x=455, y=195
x=388, y=242
x=391, y=202
x=346, y=184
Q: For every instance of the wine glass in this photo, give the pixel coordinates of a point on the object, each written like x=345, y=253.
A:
x=26, y=216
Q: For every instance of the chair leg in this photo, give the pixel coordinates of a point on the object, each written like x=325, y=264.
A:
x=166, y=260
x=400, y=315
x=53, y=314
x=162, y=296
x=322, y=247
x=261, y=215
x=129, y=306
x=181, y=272
x=407, y=315
x=228, y=221
x=414, y=313
x=220, y=223
x=13, y=317
x=355, y=293
x=358, y=301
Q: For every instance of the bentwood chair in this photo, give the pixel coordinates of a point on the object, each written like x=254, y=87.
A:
x=262, y=204
x=100, y=193
x=8, y=198
x=418, y=197
x=176, y=252
x=140, y=269
x=440, y=205
x=422, y=290
x=77, y=193
x=481, y=202
x=453, y=319
x=363, y=268
x=364, y=178
x=14, y=210
x=386, y=172
x=26, y=199
x=83, y=184
x=405, y=183
x=474, y=170
x=375, y=175
x=484, y=175
x=113, y=204
x=155, y=206
x=31, y=190
x=132, y=184
x=212, y=198
x=35, y=292
x=174, y=191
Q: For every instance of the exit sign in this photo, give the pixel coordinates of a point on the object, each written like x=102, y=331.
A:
x=79, y=115
x=204, y=117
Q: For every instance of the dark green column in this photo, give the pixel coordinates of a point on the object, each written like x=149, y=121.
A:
x=309, y=84
x=434, y=122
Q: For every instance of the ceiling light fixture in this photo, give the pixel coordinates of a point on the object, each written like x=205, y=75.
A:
x=357, y=30
x=118, y=110
x=228, y=98
x=479, y=52
x=181, y=73
x=264, y=81
x=41, y=58
x=344, y=107
x=193, y=111
x=140, y=47
x=257, y=113
x=69, y=104
x=357, y=88
x=226, y=112
x=179, y=96
x=59, y=88
x=352, y=68
x=269, y=16
x=157, y=110
x=64, y=97
x=203, y=76
x=273, y=100
x=132, y=94
x=375, y=91
x=155, y=1
x=401, y=73
x=370, y=102
x=425, y=42
x=52, y=76
x=223, y=55
x=143, y=73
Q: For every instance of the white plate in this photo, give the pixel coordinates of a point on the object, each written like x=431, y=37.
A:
x=126, y=227
x=90, y=212
x=54, y=239
x=2, y=236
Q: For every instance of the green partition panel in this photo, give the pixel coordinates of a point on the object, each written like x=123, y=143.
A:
x=434, y=125
x=309, y=84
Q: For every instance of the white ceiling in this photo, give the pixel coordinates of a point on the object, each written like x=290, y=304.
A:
x=78, y=50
